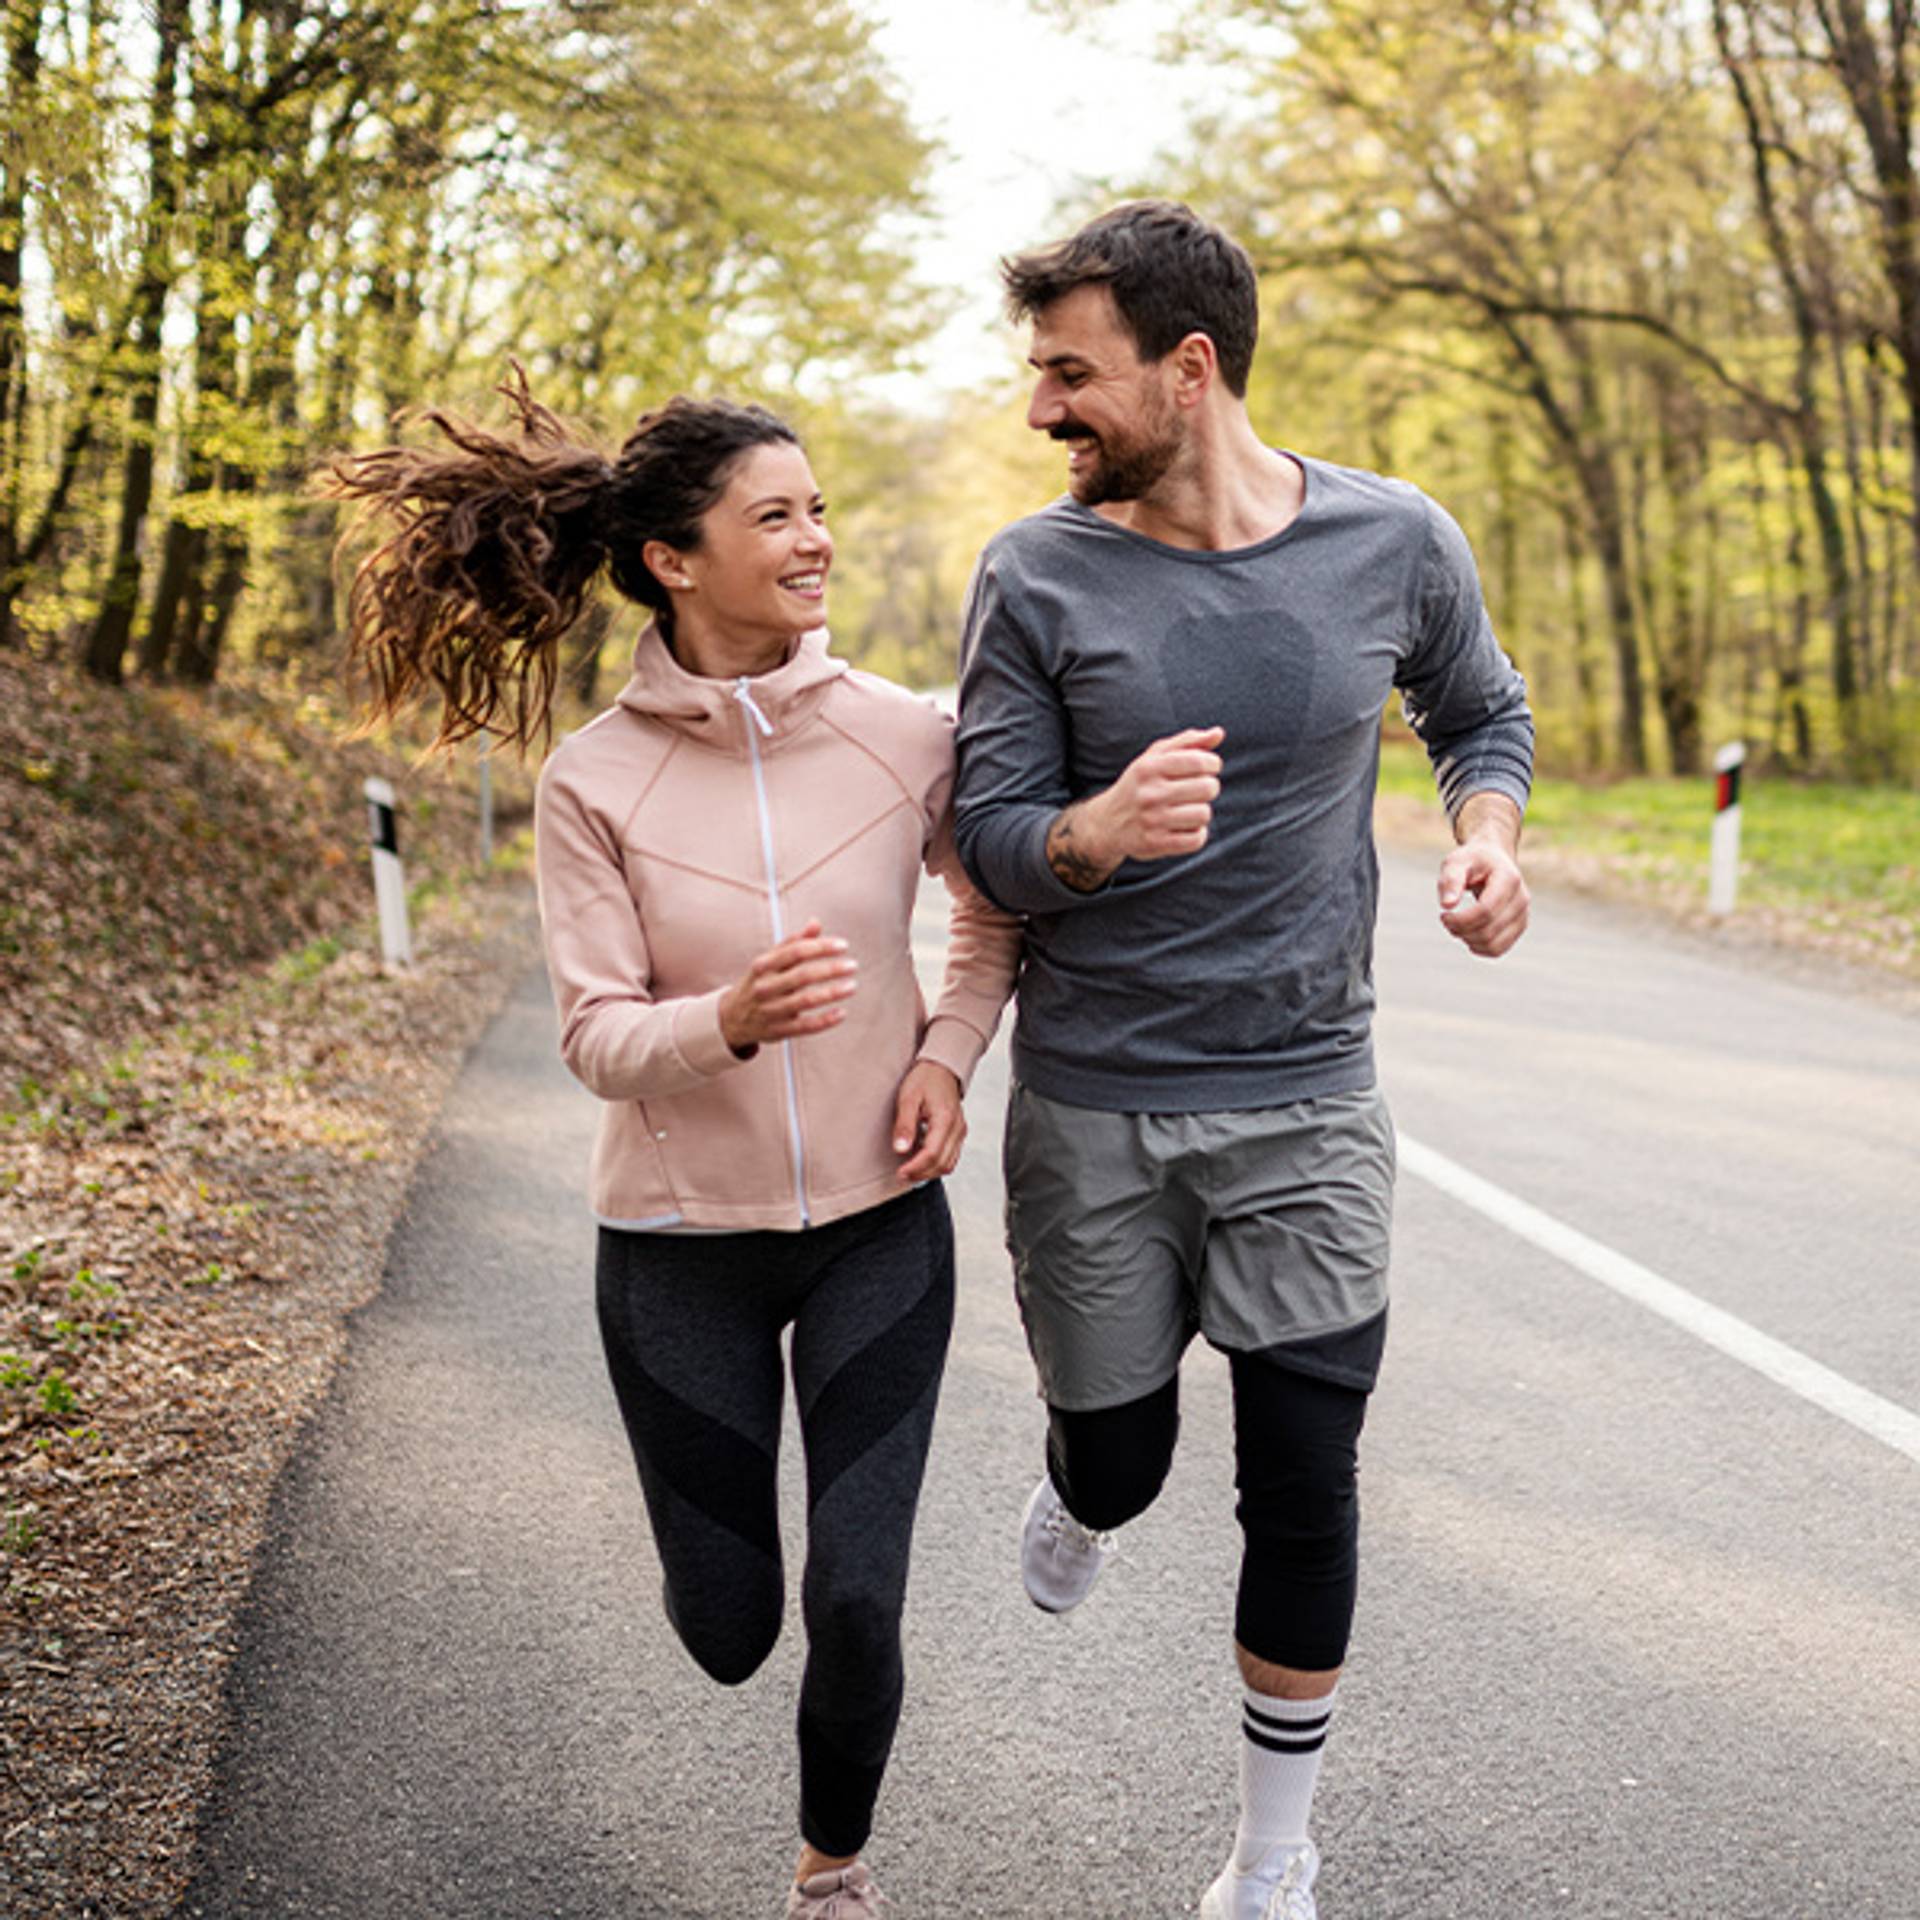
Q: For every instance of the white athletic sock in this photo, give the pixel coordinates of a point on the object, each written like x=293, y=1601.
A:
x=1280, y=1746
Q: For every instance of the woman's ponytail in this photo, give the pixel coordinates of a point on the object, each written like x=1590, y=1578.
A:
x=497, y=542
x=498, y=539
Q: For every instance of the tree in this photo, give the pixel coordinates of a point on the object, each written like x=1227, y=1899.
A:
x=20, y=24
x=106, y=644
x=1523, y=207
x=340, y=211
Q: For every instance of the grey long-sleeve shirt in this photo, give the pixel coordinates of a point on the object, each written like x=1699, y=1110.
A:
x=1242, y=975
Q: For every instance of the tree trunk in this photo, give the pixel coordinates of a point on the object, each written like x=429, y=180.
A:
x=1869, y=750
x=1600, y=488
x=1790, y=670
x=1593, y=747
x=23, y=77
x=583, y=670
x=1588, y=449
x=1679, y=700
x=1806, y=418
x=180, y=564
x=181, y=585
x=1686, y=656
x=1506, y=525
x=1879, y=88
x=104, y=653
x=200, y=652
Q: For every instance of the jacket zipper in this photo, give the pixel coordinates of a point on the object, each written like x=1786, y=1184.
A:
x=755, y=719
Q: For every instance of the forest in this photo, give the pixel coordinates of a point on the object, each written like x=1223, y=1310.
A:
x=1634, y=289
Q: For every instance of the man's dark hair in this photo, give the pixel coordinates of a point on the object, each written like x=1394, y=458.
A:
x=1170, y=274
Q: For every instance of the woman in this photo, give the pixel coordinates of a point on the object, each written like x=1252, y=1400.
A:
x=727, y=863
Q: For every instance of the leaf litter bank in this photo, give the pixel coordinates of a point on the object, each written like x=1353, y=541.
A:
x=201, y=1159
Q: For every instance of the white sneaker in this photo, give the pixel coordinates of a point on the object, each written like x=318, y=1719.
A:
x=1279, y=1888
x=1059, y=1558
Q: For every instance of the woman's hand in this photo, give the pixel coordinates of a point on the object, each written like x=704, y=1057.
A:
x=793, y=989
x=929, y=1122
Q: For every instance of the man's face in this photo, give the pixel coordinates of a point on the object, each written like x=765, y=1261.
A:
x=1096, y=394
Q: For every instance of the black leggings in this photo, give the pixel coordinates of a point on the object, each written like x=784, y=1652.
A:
x=692, y=1327
x=1295, y=1442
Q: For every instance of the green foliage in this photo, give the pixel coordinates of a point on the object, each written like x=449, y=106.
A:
x=75, y=1334
x=312, y=960
x=912, y=502
x=376, y=205
x=701, y=205
x=56, y=1397
x=1523, y=258
x=19, y=1529
x=514, y=855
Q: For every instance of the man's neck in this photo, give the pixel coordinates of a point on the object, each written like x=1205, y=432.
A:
x=1230, y=490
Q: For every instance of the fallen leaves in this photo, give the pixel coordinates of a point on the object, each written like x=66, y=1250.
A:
x=211, y=1102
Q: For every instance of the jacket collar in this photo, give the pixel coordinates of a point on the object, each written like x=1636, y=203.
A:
x=716, y=711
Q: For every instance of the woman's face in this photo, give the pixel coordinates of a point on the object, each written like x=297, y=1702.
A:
x=760, y=570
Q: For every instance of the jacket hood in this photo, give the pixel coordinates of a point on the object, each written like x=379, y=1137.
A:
x=715, y=711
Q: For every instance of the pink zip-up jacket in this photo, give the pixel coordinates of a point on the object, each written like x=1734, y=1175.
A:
x=687, y=829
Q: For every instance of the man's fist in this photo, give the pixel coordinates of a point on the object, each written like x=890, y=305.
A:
x=1161, y=805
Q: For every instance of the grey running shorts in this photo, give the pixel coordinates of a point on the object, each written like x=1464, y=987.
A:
x=1131, y=1232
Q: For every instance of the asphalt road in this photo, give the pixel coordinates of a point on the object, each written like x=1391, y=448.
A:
x=1639, y=1630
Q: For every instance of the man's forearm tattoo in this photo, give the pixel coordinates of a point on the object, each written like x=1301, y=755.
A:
x=1073, y=866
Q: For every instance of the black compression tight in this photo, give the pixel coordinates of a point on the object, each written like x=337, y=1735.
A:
x=692, y=1327
x=1296, y=1440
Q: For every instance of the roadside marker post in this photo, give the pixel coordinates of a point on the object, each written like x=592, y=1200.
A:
x=389, y=879
x=1724, y=878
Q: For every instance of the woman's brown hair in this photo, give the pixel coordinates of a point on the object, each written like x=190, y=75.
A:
x=500, y=536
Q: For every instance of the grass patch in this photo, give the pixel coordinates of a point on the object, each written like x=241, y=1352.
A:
x=312, y=960
x=1824, y=841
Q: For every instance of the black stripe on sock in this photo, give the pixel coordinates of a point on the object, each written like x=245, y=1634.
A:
x=1314, y=1724
x=1312, y=1744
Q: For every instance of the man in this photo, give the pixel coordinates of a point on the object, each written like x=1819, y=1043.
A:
x=1170, y=700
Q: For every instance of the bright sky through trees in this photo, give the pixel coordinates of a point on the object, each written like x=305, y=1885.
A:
x=1027, y=113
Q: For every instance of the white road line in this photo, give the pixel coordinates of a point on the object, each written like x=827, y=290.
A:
x=1785, y=1366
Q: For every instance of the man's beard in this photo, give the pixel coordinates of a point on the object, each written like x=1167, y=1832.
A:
x=1123, y=470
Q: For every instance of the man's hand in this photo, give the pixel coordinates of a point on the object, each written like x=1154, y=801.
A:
x=1161, y=805
x=1483, y=899
x=790, y=990
x=929, y=1123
